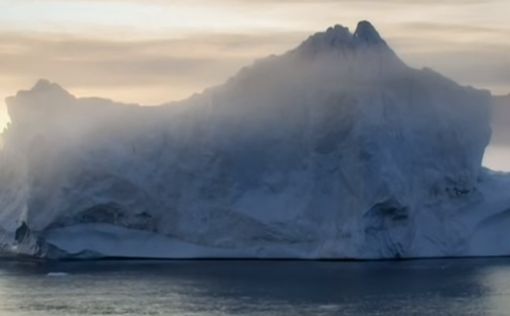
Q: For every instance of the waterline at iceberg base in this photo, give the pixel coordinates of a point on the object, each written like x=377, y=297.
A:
x=334, y=150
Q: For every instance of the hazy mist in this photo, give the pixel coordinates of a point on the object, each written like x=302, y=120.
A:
x=154, y=51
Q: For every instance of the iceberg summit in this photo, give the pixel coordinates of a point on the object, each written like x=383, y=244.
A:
x=334, y=150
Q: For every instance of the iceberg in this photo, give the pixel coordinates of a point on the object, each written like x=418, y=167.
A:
x=336, y=149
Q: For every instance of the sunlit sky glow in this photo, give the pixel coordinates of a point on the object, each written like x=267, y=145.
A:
x=154, y=51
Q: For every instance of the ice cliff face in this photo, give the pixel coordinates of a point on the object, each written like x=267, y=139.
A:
x=335, y=149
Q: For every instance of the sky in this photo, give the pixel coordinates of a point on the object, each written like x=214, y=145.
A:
x=153, y=51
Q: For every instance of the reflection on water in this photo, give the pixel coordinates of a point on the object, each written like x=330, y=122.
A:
x=426, y=287
x=496, y=279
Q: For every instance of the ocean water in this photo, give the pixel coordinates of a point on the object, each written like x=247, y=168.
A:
x=417, y=287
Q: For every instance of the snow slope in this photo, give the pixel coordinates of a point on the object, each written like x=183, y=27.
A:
x=335, y=149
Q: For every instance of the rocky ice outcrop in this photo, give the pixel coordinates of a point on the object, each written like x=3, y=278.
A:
x=335, y=149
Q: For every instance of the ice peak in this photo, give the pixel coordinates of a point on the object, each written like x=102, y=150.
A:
x=366, y=32
x=337, y=33
x=46, y=85
x=339, y=37
x=43, y=90
x=334, y=37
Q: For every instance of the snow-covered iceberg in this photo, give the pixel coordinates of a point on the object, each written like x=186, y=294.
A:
x=335, y=149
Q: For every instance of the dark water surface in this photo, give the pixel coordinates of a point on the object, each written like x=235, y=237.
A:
x=422, y=287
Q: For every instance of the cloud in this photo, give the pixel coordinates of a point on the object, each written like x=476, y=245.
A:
x=175, y=67
x=154, y=51
x=400, y=2
x=470, y=54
